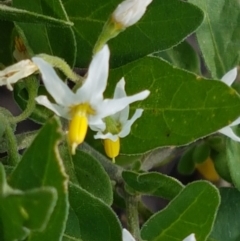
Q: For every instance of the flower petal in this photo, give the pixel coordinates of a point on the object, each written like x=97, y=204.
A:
x=108, y=135
x=60, y=111
x=230, y=76
x=96, y=124
x=54, y=85
x=96, y=81
x=109, y=107
x=126, y=236
x=191, y=237
x=119, y=92
x=227, y=131
x=127, y=127
x=15, y=72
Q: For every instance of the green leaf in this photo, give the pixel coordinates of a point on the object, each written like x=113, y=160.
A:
x=186, y=165
x=183, y=56
x=221, y=162
x=181, y=107
x=218, y=36
x=227, y=226
x=97, y=221
x=5, y=42
x=92, y=177
x=72, y=231
x=151, y=34
x=201, y=152
x=21, y=15
x=153, y=183
x=46, y=38
x=30, y=210
x=192, y=211
x=233, y=160
x=41, y=166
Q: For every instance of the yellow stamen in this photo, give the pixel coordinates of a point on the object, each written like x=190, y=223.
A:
x=207, y=170
x=78, y=125
x=112, y=148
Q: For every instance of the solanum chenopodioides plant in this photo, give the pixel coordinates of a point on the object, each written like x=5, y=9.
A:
x=145, y=101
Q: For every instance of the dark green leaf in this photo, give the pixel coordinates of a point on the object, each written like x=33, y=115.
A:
x=186, y=165
x=201, y=152
x=218, y=36
x=153, y=183
x=5, y=42
x=181, y=108
x=164, y=24
x=192, y=211
x=92, y=177
x=183, y=56
x=21, y=15
x=97, y=221
x=220, y=160
x=45, y=38
x=41, y=166
x=227, y=226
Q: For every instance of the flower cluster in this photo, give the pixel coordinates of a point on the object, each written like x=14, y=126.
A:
x=87, y=107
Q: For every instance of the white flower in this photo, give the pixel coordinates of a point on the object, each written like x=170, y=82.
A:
x=117, y=125
x=126, y=236
x=191, y=237
x=121, y=117
x=228, y=79
x=86, y=106
x=129, y=12
x=15, y=72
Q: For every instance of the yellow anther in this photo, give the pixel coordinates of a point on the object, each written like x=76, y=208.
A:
x=78, y=126
x=112, y=148
x=207, y=170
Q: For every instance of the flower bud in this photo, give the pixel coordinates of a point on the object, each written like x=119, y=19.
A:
x=129, y=12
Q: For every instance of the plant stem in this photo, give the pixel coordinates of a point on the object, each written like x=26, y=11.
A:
x=31, y=85
x=132, y=215
x=12, y=146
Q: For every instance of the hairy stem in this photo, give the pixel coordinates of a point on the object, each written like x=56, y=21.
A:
x=132, y=215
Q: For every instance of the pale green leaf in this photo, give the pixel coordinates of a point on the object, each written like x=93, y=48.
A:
x=218, y=36
x=92, y=177
x=41, y=166
x=22, y=212
x=192, y=211
x=153, y=183
x=233, y=161
x=227, y=226
x=97, y=221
